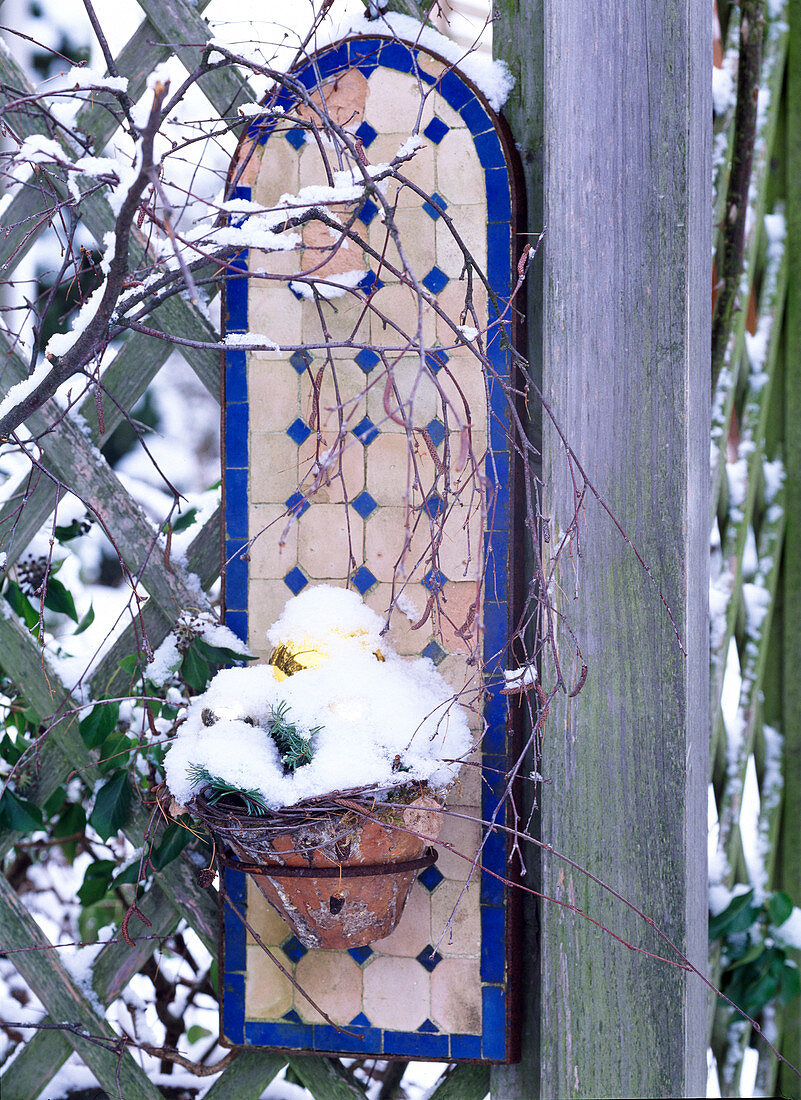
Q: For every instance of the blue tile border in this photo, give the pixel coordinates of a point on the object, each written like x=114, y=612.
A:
x=291, y=1032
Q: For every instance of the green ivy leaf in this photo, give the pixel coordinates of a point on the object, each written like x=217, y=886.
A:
x=115, y=752
x=790, y=986
x=8, y=750
x=131, y=665
x=195, y=671
x=20, y=814
x=129, y=874
x=96, y=881
x=109, y=910
x=196, y=1032
x=112, y=803
x=219, y=655
x=86, y=621
x=21, y=605
x=780, y=906
x=738, y=915
x=186, y=519
x=174, y=840
x=99, y=723
x=72, y=530
x=59, y=598
x=55, y=801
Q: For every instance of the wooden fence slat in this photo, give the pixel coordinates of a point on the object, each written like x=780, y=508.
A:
x=247, y=1076
x=113, y=968
x=626, y=371
x=466, y=1083
x=773, y=68
x=324, y=1078
x=71, y=458
x=179, y=22
x=65, y=1002
x=789, y=874
x=177, y=315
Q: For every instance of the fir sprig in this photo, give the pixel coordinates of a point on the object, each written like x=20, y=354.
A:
x=217, y=788
x=295, y=748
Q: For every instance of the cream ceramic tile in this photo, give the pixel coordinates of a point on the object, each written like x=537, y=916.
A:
x=456, y=996
x=389, y=471
x=266, y=599
x=457, y=845
x=471, y=226
x=466, y=924
x=409, y=393
x=271, y=313
x=334, y=981
x=396, y=993
x=272, y=394
x=400, y=305
x=387, y=551
x=332, y=468
x=265, y=921
x=328, y=535
x=345, y=319
x=460, y=175
x=401, y=636
x=420, y=170
x=279, y=171
x=463, y=383
x=414, y=930
x=268, y=992
x=455, y=301
x=341, y=394
x=273, y=467
x=274, y=549
x=466, y=792
x=455, y=611
x=461, y=548
x=270, y=268
x=393, y=103
x=418, y=240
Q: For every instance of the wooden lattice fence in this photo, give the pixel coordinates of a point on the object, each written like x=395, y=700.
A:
x=756, y=575
x=754, y=717
x=71, y=458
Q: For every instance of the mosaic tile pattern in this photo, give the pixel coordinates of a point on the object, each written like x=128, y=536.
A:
x=438, y=987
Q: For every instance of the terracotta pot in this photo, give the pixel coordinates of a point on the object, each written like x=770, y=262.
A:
x=341, y=878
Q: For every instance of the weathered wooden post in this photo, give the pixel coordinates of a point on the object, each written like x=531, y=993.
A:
x=626, y=371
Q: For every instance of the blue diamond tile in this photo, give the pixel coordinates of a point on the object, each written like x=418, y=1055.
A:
x=434, y=580
x=292, y=1017
x=361, y=955
x=436, y=130
x=431, y=206
x=436, y=359
x=363, y=580
x=366, y=431
x=296, y=504
x=298, y=432
x=300, y=360
x=371, y=283
x=432, y=876
x=294, y=949
x=367, y=212
x=296, y=137
x=295, y=580
x=436, y=430
x=429, y=958
x=437, y=654
x=367, y=359
x=360, y=1020
x=427, y=1026
x=433, y=505
x=436, y=280
x=364, y=504
x=367, y=134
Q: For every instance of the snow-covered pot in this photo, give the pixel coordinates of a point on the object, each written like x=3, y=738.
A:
x=340, y=876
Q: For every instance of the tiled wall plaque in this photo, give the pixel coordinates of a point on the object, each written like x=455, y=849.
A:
x=366, y=445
